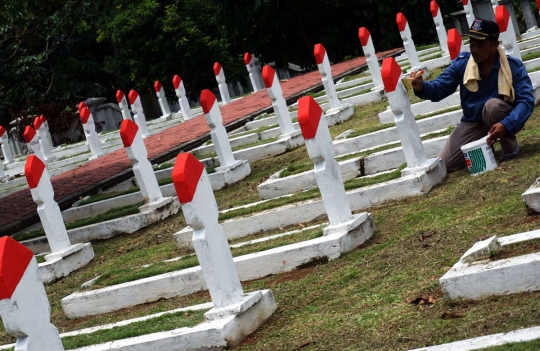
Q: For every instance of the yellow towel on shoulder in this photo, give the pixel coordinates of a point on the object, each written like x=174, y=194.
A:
x=472, y=76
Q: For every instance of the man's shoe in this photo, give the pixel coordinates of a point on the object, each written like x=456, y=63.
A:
x=513, y=154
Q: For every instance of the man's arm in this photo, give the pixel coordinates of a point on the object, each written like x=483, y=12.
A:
x=524, y=102
x=442, y=87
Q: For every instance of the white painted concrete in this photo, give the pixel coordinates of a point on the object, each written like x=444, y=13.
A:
x=162, y=100
x=439, y=26
x=4, y=144
x=531, y=197
x=469, y=279
x=371, y=57
x=183, y=101
x=222, y=83
x=24, y=307
x=521, y=335
x=123, y=104
x=507, y=34
x=90, y=132
x=138, y=112
x=323, y=63
x=424, y=107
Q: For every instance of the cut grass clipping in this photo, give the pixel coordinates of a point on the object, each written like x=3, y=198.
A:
x=122, y=275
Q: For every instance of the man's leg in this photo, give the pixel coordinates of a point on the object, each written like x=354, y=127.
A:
x=464, y=133
x=495, y=110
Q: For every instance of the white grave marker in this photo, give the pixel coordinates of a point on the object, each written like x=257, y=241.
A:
x=323, y=63
x=218, y=133
x=371, y=57
x=353, y=229
x=59, y=263
x=507, y=33
x=4, y=144
x=138, y=112
x=180, y=90
x=222, y=83
x=24, y=306
x=249, y=60
x=201, y=213
x=467, y=7
x=142, y=168
x=404, y=119
x=162, y=99
x=408, y=43
x=44, y=138
x=90, y=131
x=32, y=142
x=273, y=88
x=439, y=26
x=123, y=104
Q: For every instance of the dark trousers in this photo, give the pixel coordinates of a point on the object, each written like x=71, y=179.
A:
x=495, y=110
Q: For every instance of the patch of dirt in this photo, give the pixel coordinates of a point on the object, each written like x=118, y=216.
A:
x=518, y=249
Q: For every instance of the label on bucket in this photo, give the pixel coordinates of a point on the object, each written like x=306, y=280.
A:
x=479, y=157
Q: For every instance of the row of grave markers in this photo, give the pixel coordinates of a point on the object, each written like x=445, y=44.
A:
x=24, y=307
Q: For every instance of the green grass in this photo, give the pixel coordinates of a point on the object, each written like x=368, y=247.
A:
x=530, y=56
x=122, y=275
x=112, y=214
x=159, y=324
x=355, y=76
x=429, y=46
x=352, y=86
x=533, y=345
x=431, y=57
x=107, y=195
x=164, y=165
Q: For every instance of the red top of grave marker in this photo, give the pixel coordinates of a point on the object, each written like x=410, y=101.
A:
x=37, y=122
x=33, y=170
x=29, y=134
x=401, y=21
x=217, y=68
x=538, y=3
x=502, y=16
x=133, y=95
x=119, y=95
x=157, y=86
x=434, y=8
x=454, y=43
x=319, y=52
x=391, y=73
x=207, y=100
x=81, y=105
x=186, y=174
x=14, y=259
x=268, y=75
x=43, y=119
x=128, y=131
x=247, y=58
x=176, y=81
x=85, y=115
x=309, y=115
x=364, y=34
x=2, y=131
x=465, y=2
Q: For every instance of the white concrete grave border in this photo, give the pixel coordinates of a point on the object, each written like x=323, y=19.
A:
x=521, y=335
x=338, y=110
x=24, y=306
x=65, y=257
x=474, y=277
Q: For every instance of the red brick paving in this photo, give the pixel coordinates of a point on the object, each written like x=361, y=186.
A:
x=20, y=205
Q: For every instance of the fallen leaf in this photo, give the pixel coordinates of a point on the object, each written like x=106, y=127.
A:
x=422, y=300
x=451, y=315
x=425, y=236
x=301, y=225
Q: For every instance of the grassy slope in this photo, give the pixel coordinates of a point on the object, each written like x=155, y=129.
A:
x=357, y=302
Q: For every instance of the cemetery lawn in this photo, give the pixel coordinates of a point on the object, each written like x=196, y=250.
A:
x=533, y=345
x=360, y=300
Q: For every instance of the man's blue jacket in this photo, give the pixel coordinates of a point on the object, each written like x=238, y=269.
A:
x=473, y=103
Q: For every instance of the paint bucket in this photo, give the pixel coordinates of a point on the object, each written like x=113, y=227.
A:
x=479, y=156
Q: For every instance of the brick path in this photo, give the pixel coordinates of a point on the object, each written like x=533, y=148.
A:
x=18, y=210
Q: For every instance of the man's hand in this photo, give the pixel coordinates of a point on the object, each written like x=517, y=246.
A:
x=497, y=131
x=417, y=81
